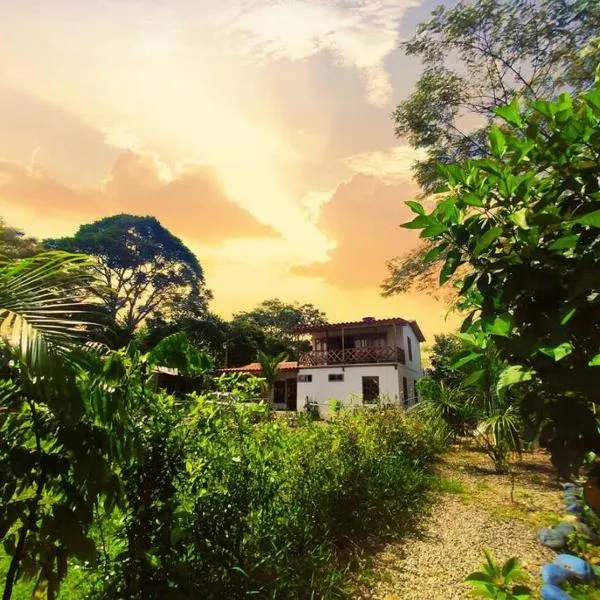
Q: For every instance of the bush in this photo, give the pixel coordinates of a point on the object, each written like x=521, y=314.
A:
x=266, y=507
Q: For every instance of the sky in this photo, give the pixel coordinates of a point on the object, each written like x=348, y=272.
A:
x=257, y=131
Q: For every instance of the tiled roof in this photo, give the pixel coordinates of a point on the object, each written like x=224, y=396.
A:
x=366, y=321
x=256, y=368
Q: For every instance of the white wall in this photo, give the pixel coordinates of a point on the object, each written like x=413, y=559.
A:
x=349, y=391
x=415, y=364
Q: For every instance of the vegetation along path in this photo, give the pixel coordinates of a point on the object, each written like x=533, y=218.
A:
x=472, y=511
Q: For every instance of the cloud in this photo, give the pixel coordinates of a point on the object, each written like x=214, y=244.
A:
x=357, y=33
x=363, y=216
x=189, y=200
x=390, y=165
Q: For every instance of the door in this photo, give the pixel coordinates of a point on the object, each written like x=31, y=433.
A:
x=291, y=394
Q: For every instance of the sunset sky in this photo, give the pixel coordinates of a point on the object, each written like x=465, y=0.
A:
x=258, y=131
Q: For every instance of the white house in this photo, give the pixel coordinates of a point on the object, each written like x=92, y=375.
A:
x=359, y=362
x=355, y=362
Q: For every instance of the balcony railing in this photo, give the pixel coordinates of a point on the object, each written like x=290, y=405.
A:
x=383, y=354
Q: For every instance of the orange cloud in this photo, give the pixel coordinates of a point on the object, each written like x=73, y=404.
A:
x=190, y=201
x=363, y=216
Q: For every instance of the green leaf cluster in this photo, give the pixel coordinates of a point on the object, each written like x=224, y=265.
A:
x=522, y=228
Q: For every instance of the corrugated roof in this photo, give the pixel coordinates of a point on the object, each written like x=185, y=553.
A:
x=255, y=367
x=366, y=321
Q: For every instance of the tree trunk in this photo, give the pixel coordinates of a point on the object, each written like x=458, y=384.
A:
x=11, y=576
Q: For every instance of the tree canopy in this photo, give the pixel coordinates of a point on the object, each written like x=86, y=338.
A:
x=15, y=244
x=476, y=57
x=146, y=271
x=524, y=224
x=280, y=319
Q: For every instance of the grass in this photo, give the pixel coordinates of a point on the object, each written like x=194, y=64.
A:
x=449, y=485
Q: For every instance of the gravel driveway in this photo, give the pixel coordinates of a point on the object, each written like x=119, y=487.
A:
x=478, y=513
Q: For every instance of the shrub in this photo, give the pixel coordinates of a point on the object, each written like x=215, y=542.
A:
x=269, y=508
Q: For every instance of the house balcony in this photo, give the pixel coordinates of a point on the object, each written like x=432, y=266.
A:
x=350, y=356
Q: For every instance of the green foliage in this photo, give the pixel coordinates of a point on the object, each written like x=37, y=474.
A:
x=442, y=358
x=529, y=250
x=234, y=504
x=270, y=366
x=176, y=352
x=473, y=404
x=14, y=244
x=476, y=57
x=40, y=312
x=138, y=494
x=502, y=582
x=280, y=319
x=147, y=272
x=449, y=485
x=62, y=430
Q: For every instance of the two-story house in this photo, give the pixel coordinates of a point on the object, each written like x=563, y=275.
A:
x=359, y=362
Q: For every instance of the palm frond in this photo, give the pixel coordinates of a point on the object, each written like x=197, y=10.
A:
x=43, y=305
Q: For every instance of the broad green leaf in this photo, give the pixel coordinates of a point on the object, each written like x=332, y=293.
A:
x=510, y=113
x=565, y=242
x=501, y=325
x=486, y=240
x=474, y=377
x=557, y=352
x=519, y=218
x=450, y=266
x=595, y=362
x=510, y=566
x=592, y=219
x=433, y=253
x=433, y=230
x=472, y=200
x=497, y=141
x=419, y=222
x=513, y=375
x=463, y=358
x=416, y=207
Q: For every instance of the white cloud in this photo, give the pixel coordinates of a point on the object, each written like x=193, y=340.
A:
x=357, y=33
x=390, y=165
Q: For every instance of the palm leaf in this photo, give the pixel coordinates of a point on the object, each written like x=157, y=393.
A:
x=43, y=305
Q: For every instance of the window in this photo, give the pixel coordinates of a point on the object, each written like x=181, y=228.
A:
x=409, y=342
x=405, y=390
x=279, y=392
x=305, y=378
x=336, y=377
x=370, y=389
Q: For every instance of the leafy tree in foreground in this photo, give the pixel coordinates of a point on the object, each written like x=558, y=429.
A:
x=145, y=270
x=476, y=56
x=525, y=223
x=57, y=427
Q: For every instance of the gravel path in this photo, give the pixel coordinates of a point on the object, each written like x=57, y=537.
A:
x=477, y=514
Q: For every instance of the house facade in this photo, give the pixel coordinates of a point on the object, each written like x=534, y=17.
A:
x=359, y=362
x=355, y=362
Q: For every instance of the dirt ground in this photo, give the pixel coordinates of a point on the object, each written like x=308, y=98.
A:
x=473, y=509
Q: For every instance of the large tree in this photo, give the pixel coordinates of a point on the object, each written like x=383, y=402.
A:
x=524, y=225
x=147, y=272
x=477, y=56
